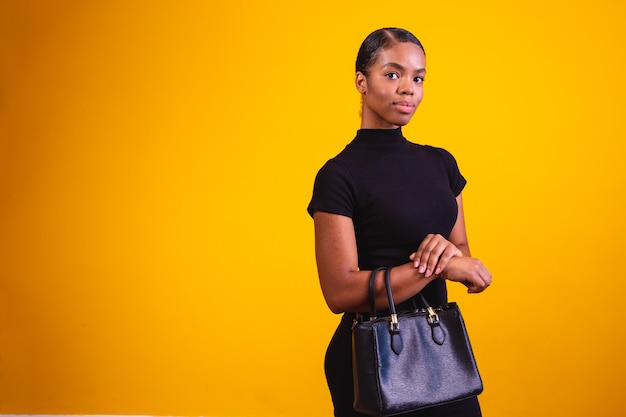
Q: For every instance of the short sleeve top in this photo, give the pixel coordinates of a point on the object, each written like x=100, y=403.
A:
x=395, y=191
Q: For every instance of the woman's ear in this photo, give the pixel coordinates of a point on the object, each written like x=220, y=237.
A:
x=360, y=82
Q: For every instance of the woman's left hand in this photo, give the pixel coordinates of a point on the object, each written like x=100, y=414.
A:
x=433, y=254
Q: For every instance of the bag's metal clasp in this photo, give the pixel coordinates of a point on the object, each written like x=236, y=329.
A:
x=432, y=316
x=394, y=325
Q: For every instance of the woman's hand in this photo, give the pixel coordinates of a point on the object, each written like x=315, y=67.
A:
x=433, y=255
x=468, y=271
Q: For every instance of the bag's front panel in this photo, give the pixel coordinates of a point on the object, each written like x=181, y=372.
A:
x=425, y=373
x=461, y=356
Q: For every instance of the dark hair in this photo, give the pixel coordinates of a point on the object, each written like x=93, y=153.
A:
x=379, y=40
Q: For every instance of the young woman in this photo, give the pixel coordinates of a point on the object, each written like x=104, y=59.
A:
x=384, y=201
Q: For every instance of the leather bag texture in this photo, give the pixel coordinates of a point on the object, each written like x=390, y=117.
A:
x=412, y=360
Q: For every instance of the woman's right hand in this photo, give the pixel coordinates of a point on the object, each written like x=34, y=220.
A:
x=468, y=271
x=433, y=254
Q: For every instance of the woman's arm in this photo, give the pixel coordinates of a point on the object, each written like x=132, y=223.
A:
x=344, y=286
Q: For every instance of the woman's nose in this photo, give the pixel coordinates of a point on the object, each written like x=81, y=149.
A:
x=406, y=86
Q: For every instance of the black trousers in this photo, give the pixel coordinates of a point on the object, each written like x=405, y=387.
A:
x=338, y=368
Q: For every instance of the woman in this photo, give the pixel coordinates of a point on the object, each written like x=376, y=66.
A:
x=384, y=201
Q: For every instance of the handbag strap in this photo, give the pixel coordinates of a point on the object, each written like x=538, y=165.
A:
x=438, y=334
x=433, y=319
x=423, y=299
x=392, y=306
x=394, y=327
x=372, y=291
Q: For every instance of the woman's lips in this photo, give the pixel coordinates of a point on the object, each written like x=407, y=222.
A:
x=405, y=106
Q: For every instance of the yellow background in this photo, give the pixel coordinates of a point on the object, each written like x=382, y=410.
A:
x=156, y=160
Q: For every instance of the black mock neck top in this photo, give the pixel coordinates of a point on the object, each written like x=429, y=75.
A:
x=396, y=192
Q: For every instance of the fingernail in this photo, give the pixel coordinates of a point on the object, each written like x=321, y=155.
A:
x=422, y=269
x=438, y=271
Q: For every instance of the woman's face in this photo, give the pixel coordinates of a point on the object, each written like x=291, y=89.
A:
x=393, y=89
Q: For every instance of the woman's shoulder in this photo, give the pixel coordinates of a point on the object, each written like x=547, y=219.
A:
x=342, y=161
x=434, y=151
x=334, y=170
x=430, y=148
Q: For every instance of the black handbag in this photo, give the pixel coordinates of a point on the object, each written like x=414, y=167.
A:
x=412, y=360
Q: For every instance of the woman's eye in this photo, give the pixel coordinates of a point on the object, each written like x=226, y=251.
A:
x=418, y=80
x=392, y=75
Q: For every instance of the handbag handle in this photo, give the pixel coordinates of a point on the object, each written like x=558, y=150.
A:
x=438, y=334
x=394, y=327
x=392, y=308
x=372, y=291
